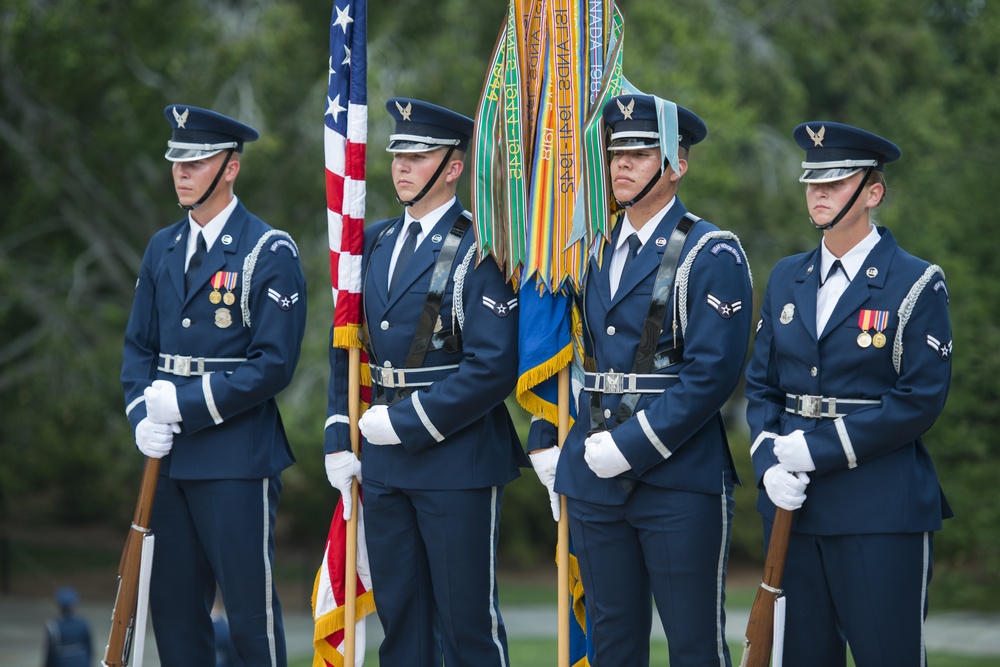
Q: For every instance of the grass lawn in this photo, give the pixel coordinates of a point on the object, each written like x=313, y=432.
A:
x=542, y=653
x=90, y=564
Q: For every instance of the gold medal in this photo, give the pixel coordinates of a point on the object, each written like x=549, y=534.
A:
x=864, y=339
x=878, y=340
x=230, y=282
x=216, y=296
x=223, y=318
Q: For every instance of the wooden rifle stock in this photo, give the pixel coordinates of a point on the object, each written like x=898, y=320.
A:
x=123, y=629
x=760, y=627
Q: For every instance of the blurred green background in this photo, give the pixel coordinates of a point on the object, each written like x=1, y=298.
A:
x=83, y=186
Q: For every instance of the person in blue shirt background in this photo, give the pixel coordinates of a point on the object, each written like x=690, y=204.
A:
x=851, y=366
x=214, y=335
x=67, y=637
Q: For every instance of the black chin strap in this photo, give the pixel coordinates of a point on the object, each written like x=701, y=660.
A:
x=430, y=183
x=847, y=207
x=208, y=193
x=645, y=190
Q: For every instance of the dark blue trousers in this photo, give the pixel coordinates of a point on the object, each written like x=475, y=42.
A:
x=662, y=544
x=433, y=567
x=209, y=533
x=866, y=591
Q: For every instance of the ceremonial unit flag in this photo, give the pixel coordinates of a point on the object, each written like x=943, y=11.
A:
x=540, y=193
x=345, y=137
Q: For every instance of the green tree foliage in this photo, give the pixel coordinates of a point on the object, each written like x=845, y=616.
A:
x=84, y=186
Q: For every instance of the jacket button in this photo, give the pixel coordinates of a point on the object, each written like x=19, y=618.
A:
x=384, y=325
x=611, y=331
x=186, y=322
x=814, y=371
x=607, y=414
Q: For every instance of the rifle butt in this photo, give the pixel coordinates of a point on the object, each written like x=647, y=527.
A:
x=760, y=628
x=118, y=650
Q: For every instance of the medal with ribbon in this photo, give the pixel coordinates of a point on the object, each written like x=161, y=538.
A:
x=881, y=320
x=865, y=320
x=230, y=279
x=216, y=296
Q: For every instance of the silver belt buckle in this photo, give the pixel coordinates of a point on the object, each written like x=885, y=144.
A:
x=388, y=378
x=612, y=383
x=811, y=406
x=181, y=366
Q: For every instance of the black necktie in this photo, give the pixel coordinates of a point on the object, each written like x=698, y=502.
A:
x=405, y=253
x=836, y=266
x=633, y=249
x=200, y=250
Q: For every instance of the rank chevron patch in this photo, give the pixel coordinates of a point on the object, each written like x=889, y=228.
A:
x=284, y=301
x=725, y=309
x=500, y=308
x=943, y=349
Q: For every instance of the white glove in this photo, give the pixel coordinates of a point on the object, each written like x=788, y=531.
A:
x=161, y=403
x=153, y=439
x=376, y=426
x=341, y=467
x=603, y=455
x=544, y=462
x=787, y=490
x=793, y=452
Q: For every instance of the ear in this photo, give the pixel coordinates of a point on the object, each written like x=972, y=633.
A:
x=232, y=170
x=455, y=169
x=682, y=167
x=875, y=194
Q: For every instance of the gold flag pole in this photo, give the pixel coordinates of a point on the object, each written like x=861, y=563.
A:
x=562, y=546
x=351, y=564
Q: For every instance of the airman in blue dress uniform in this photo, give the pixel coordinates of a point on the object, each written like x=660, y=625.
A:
x=438, y=442
x=67, y=638
x=646, y=466
x=214, y=334
x=851, y=366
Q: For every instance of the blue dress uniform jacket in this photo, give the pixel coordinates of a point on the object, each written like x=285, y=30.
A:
x=675, y=439
x=873, y=472
x=231, y=427
x=457, y=433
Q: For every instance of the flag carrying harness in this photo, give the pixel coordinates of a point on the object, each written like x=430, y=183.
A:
x=647, y=358
x=425, y=339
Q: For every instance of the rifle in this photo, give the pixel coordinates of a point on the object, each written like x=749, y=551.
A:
x=760, y=628
x=123, y=616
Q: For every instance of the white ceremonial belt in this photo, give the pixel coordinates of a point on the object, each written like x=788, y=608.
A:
x=185, y=366
x=628, y=383
x=824, y=407
x=394, y=378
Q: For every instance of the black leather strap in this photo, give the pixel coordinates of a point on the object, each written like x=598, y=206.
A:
x=435, y=293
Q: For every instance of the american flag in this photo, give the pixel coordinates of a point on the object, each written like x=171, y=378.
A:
x=344, y=137
x=344, y=140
